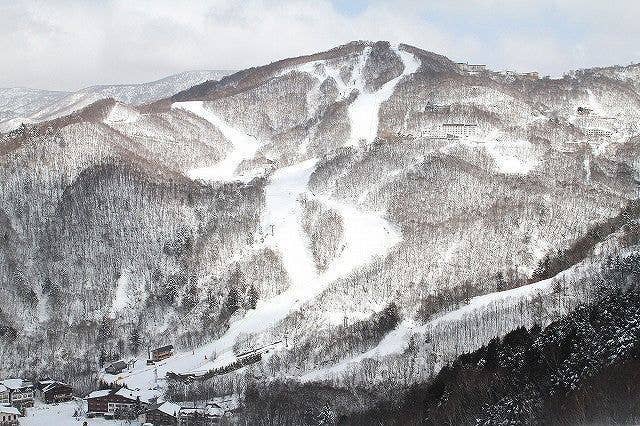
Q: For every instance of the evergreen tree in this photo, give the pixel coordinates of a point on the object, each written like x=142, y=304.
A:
x=252, y=297
x=134, y=341
x=231, y=302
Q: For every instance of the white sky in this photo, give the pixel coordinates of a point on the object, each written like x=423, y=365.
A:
x=66, y=45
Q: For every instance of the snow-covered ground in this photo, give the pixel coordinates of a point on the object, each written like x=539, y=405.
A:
x=364, y=110
x=395, y=342
x=62, y=414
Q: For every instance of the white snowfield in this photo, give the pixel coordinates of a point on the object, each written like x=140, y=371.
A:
x=61, y=414
x=244, y=146
x=364, y=110
x=121, y=299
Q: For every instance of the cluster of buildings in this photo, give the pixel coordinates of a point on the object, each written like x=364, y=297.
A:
x=17, y=395
x=480, y=68
x=129, y=404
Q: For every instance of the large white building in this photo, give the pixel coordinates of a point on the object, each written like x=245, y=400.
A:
x=459, y=130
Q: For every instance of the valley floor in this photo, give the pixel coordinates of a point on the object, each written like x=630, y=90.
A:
x=63, y=415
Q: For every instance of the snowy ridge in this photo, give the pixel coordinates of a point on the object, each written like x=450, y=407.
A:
x=33, y=106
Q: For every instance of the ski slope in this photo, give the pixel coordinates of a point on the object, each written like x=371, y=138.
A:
x=366, y=235
x=244, y=147
x=364, y=110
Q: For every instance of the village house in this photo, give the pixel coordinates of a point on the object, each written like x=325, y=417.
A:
x=162, y=353
x=162, y=414
x=114, y=403
x=207, y=416
x=20, y=393
x=8, y=415
x=116, y=367
x=51, y=391
x=4, y=395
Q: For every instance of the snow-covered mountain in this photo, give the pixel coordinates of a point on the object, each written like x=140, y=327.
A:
x=19, y=105
x=339, y=216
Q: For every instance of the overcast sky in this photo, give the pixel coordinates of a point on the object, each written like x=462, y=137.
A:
x=67, y=45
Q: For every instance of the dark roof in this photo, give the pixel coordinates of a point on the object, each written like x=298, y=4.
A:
x=163, y=349
x=56, y=385
x=118, y=364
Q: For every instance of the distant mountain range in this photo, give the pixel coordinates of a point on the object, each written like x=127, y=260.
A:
x=22, y=105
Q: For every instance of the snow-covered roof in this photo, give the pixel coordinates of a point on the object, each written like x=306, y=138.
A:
x=53, y=385
x=16, y=383
x=9, y=410
x=3, y=388
x=209, y=410
x=99, y=393
x=131, y=394
x=169, y=408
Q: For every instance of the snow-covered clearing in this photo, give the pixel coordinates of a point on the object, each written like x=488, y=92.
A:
x=121, y=113
x=120, y=299
x=511, y=157
x=395, y=342
x=244, y=147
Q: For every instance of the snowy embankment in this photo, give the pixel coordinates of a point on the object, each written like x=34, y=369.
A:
x=244, y=147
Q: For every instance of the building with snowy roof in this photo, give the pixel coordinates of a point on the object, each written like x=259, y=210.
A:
x=112, y=402
x=20, y=392
x=4, y=395
x=9, y=415
x=165, y=413
x=161, y=353
x=206, y=416
x=51, y=391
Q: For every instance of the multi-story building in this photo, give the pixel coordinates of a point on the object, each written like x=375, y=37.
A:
x=459, y=129
x=4, y=395
x=9, y=415
x=20, y=392
x=115, y=402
